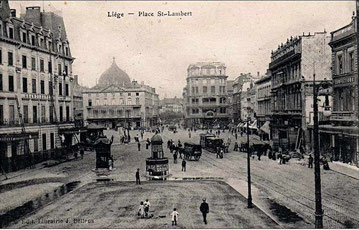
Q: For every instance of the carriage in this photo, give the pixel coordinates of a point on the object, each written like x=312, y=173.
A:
x=213, y=143
x=192, y=151
x=203, y=138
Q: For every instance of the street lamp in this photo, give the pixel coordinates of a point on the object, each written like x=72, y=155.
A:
x=249, y=166
x=318, y=193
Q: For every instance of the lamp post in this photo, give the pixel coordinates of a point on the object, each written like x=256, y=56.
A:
x=249, y=167
x=318, y=193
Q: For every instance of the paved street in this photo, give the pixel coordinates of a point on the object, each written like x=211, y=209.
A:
x=284, y=192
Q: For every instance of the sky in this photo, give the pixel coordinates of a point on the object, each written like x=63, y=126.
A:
x=158, y=50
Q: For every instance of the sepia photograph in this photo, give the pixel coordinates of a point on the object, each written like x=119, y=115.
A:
x=179, y=114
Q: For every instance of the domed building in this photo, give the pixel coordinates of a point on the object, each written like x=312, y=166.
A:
x=114, y=76
x=117, y=102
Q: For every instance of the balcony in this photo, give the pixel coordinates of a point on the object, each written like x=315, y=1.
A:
x=17, y=122
x=343, y=116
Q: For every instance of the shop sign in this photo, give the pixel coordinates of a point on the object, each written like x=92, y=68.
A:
x=36, y=96
x=157, y=168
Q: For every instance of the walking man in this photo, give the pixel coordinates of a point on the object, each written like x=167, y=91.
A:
x=184, y=165
x=138, y=181
x=310, y=161
x=139, y=145
x=204, y=208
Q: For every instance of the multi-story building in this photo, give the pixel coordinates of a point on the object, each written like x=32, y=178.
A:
x=171, y=105
x=264, y=111
x=116, y=102
x=236, y=96
x=292, y=66
x=247, y=107
x=35, y=85
x=341, y=136
x=206, y=95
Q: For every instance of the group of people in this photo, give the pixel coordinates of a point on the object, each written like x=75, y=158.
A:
x=144, y=209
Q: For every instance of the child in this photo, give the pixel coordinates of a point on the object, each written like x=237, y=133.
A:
x=141, y=210
x=174, y=216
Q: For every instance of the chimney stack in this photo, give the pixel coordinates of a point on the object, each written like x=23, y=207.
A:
x=13, y=13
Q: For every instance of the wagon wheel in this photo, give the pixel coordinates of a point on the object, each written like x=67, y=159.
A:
x=196, y=158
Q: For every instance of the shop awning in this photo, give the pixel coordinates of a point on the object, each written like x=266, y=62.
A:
x=18, y=136
x=253, y=125
x=265, y=127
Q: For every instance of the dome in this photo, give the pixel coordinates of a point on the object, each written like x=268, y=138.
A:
x=114, y=76
x=156, y=139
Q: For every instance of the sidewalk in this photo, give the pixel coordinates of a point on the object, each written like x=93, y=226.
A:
x=349, y=170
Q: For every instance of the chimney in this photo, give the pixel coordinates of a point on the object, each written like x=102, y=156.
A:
x=33, y=15
x=76, y=79
x=13, y=13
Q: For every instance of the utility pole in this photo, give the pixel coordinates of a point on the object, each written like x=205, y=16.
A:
x=318, y=193
x=249, y=167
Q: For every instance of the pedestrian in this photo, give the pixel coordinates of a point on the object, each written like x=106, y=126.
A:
x=138, y=181
x=280, y=158
x=147, y=207
x=168, y=144
x=148, y=143
x=184, y=165
x=174, y=216
x=204, y=208
x=310, y=161
x=82, y=152
x=235, y=135
x=139, y=146
x=235, y=146
x=141, y=210
x=175, y=158
x=241, y=133
x=189, y=134
x=218, y=152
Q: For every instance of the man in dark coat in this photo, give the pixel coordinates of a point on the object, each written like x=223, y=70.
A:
x=310, y=161
x=138, y=181
x=184, y=165
x=204, y=208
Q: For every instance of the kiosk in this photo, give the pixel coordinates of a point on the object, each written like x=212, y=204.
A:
x=157, y=164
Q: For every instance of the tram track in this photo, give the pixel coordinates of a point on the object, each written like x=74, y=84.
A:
x=303, y=200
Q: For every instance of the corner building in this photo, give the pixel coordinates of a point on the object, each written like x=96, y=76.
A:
x=35, y=85
x=206, y=95
x=292, y=66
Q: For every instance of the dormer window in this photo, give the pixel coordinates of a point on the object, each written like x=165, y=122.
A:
x=49, y=45
x=60, y=48
x=33, y=40
x=67, y=51
x=41, y=42
x=23, y=37
x=10, y=32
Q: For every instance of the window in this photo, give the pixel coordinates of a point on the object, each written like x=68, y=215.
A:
x=36, y=145
x=1, y=114
x=33, y=85
x=43, y=113
x=67, y=113
x=1, y=87
x=61, y=115
x=51, y=89
x=51, y=113
x=44, y=146
x=42, y=85
x=340, y=64
x=24, y=37
x=66, y=70
x=129, y=94
x=67, y=51
x=204, y=89
x=32, y=40
x=50, y=67
x=137, y=94
x=52, y=140
x=24, y=62
x=59, y=69
x=11, y=33
x=24, y=84
x=42, y=69
x=10, y=59
x=0, y=56
x=351, y=61
x=90, y=102
x=33, y=63
x=50, y=45
x=11, y=83
x=11, y=114
x=26, y=114
x=41, y=43
x=213, y=89
x=67, y=90
x=60, y=89
x=34, y=114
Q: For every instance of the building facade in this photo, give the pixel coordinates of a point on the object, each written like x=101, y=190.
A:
x=340, y=138
x=292, y=66
x=174, y=105
x=206, y=95
x=264, y=103
x=35, y=86
x=237, y=97
x=132, y=105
